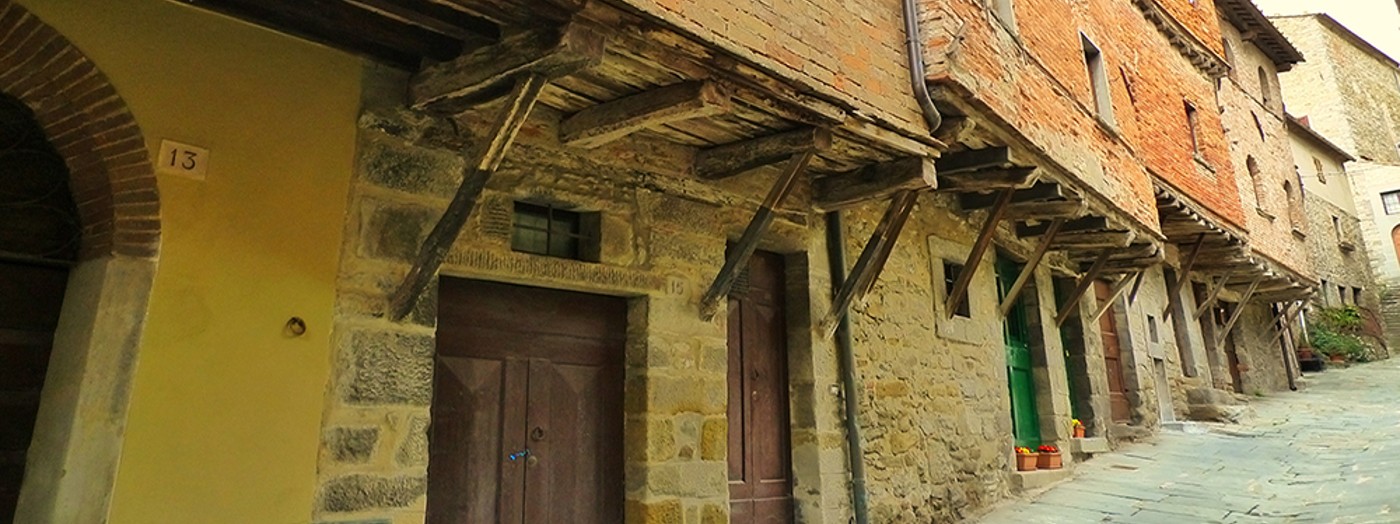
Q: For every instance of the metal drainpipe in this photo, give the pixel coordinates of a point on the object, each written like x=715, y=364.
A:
x=917, y=75
x=836, y=257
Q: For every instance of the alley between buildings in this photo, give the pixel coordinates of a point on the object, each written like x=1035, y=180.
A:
x=1327, y=453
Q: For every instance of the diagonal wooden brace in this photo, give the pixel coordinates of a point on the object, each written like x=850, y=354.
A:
x=1137, y=285
x=489, y=156
x=1117, y=291
x=1214, y=294
x=1085, y=281
x=868, y=266
x=974, y=258
x=739, y=256
x=1029, y=270
x=1174, y=294
x=1239, y=310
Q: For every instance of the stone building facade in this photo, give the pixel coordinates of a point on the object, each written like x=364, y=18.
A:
x=1338, y=250
x=1349, y=92
x=1029, y=254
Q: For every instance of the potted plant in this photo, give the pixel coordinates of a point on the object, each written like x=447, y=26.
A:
x=1305, y=352
x=1026, y=459
x=1077, y=427
x=1049, y=457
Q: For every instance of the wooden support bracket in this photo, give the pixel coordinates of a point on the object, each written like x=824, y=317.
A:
x=731, y=159
x=873, y=182
x=486, y=73
x=868, y=266
x=739, y=256
x=1088, y=223
x=1174, y=294
x=974, y=160
x=1235, y=317
x=1117, y=291
x=1029, y=270
x=974, y=258
x=1137, y=286
x=987, y=179
x=609, y=121
x=488, y=158
x=1072, y=301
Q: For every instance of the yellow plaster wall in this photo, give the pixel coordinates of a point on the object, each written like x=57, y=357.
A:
x=226, y=409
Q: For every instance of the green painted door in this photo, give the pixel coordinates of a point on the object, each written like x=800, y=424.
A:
x=1062, y=291
x=1017, y=333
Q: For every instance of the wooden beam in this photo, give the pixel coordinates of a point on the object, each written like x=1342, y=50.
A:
x=1095, y=240
x=731, y=159
x=1029, y=269
x=1234, y=317
x=867, y=283
x=1047, y=210
x=1117, y=291
x=1281, y=317
x=872, y=182
x=609, y=121
x=979, y=248
x=1088, y=223
x=1174, y=293
x=489, y=156
x=1085, y=281
x=1137, y=286
x=1039, y=191
x=974, y=160
x=484, y=74
x=473, y=30
x=986, y=179
x=738, y=257
x=867, y=267
x=1213, y=295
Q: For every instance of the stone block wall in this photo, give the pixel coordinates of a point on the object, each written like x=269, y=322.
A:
x=1260, y=350
x=1335, y=265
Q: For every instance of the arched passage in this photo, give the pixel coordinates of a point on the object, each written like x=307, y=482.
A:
x=110, y=257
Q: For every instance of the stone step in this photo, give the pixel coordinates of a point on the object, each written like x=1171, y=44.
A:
x=1038, y=479
x=1088, y=446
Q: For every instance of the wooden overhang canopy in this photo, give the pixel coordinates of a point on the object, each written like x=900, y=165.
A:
x=1222, y=259
x=1256, y=28
x=611, y=74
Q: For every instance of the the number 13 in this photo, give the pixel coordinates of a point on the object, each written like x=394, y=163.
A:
x=189, y=162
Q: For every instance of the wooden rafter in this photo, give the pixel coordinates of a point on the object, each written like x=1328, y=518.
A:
x=1235, y=317
x=979, y=248
x=1029, y=270
x=517, y=108
x=873, y=182
x=1214, y=294
x=974, y=160
x=1174, y=293
x=868, y=266
x=1118, y=289
x=743, y=250
x=1137, y=285
x=484, y=74
x=609, y=121
x=1047, y=210
x=1072, y=301
x=994, y=179
x=1088, y=223
x=732, y=159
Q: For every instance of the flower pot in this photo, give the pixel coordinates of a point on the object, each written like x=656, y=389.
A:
x=1049, y=461
x=1079, y=432
x=1027, y=462
x=1305, y=354
x=1337, y=358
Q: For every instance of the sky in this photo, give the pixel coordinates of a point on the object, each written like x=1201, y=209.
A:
x=1378, y=21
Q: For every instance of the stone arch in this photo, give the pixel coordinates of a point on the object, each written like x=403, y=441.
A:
x=71, y=463
x=1395, y=241
x=85, y=119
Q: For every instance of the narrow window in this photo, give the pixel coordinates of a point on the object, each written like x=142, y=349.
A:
x=1356, y=296
x=1337, y=227
x=1295, y=211
x=1192, y=123
x=950, y=277
x=1391, y=200
x=1098, y=80
x=1265, y=90
x=1326, y=298
x=1229, y=57
x=1317, y=168
x=1257, y=179
x=545, y=230
x=1152, y=328
x=1342, y=294
x=1258, y=127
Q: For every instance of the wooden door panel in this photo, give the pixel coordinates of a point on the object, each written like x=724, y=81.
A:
x=478, y=416
x=575, y=437
x=766, y=381
x=1119, y=407
x=760, y=466
x=31, y=299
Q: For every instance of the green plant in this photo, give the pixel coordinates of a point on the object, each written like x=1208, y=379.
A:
x=1336, y=331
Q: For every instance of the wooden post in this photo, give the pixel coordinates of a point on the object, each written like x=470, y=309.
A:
x=867, y=282
x=1137, y=285
x=739, y=256
x=1174, y=294
x=881, y=242
x=1214, y=294
x=517, y=108
x=1244, y=301
x=1029, y=270
x=1085, y=281
x=1118, y=289
x=984, y=241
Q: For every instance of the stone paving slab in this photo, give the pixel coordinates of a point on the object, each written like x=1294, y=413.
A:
x=1329, y=453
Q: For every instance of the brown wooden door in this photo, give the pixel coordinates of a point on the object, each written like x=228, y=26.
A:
x=1119, y=408
x=30, y=300
x=1232, y=356
x=527, y=406
x=760, y=471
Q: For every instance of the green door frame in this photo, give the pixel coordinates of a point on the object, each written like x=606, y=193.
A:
x=1016, y=331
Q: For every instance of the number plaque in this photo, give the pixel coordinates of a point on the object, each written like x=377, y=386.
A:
x=182, y=159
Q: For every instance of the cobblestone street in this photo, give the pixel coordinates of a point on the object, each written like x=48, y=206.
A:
x=1328, y=453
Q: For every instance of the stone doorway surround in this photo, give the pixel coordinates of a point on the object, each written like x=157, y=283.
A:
x=72, y=461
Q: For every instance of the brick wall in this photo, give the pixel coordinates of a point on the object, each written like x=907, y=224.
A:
x=851, y=51
x=1036, y=79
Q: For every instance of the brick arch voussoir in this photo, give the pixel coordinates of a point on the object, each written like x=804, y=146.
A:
x=86, y=120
